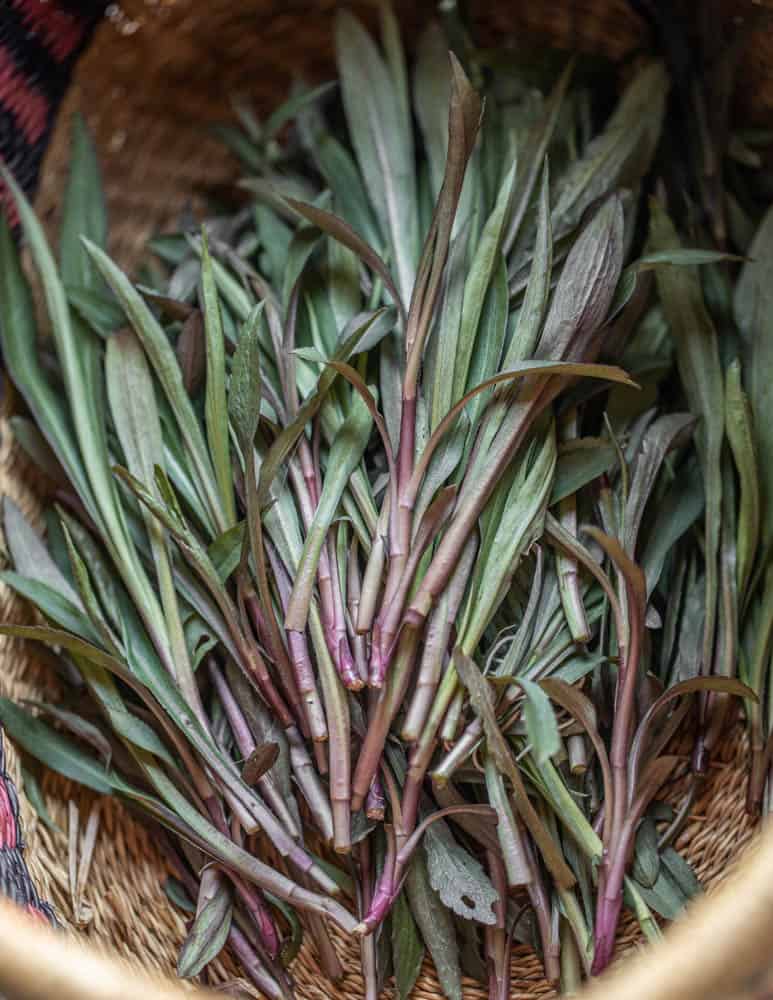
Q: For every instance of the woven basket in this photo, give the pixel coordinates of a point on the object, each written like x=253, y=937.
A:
x=155, y=74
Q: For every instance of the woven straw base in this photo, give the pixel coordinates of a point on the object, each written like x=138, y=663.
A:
x=150, y=81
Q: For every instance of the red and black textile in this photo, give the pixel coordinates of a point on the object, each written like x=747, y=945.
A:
x=15, y=880
x=40, y=40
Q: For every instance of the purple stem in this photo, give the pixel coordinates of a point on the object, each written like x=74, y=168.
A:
x=375, y=803
x=252, y=965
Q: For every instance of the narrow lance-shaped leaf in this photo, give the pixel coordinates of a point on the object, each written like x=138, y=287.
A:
x=345, y=454
x=697, y=356
x=407, y=947
x=209, y=933
x=519, y=525
x=436, y=927
x=532, y=311
x=164, y=362
x=464, y=114
x=133, y=405
x=753, y=317
x=345, y=235
x=381, y=138
x=215, y=401
x=480, y=275
x=483, y=703
x=84, y=210
x=740, y=434
x=53, y=749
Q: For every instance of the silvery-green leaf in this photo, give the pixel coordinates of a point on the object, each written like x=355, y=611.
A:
x=740, y=435
x=436, y=927
x=84, y=212
x=621, y=154
x=676, y=511
x=665, y=896
x=164, y=362
x=407, y=947
x=457, y=877
x=216, y=416
x=77, y=725
x=34, y=795
x=681, y=872
x=383, y=143
x=646, y=859
x=53, y=749
x=485, y=264
x=244, y=392
x=30, y=556
x=751, y=308
x=209, y=932
x=697, y=354
x=175, y=892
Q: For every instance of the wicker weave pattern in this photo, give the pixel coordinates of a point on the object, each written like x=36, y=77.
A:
x=150, y=80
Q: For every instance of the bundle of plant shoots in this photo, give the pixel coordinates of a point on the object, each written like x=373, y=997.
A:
x=394, y=529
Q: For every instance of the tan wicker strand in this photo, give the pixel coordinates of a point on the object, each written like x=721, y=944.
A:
x=157, y=73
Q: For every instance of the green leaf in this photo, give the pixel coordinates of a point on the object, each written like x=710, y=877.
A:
x=34, y=794
x=383, y=142
x=431, y=97
x=345, y=235
x=244, y=390
x=483, y=705
x=288, y=109
x=646, y=859
x=407, y=947
x=52, y=749
x=587, y=284
x=76, y=725
x=176, y=894
x=514, y=528
x=541, y=725
x=457, y=877
x=532, y=312
x=740, y=434
x=620, y=155
x=345, y=454
x=198, y=635
x=665, y=896
x=342, y=177
x=484, y=264
x=52, y=604
x=19, y=344
x=96, y=310
x=436, y=926
x=30, y=556
x=446, y=335
x=681, y=872
x=579, y=462
x=676, y=512
x=216, y=416
x=662, y=435
x=682, y=257
x=697, y=355
x=84, y=212
x=164, y=362
x=225, y=551
x=209, y=933
x=752, y=312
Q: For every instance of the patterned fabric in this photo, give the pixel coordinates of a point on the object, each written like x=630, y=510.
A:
x=15, y=880
x=39, y=43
